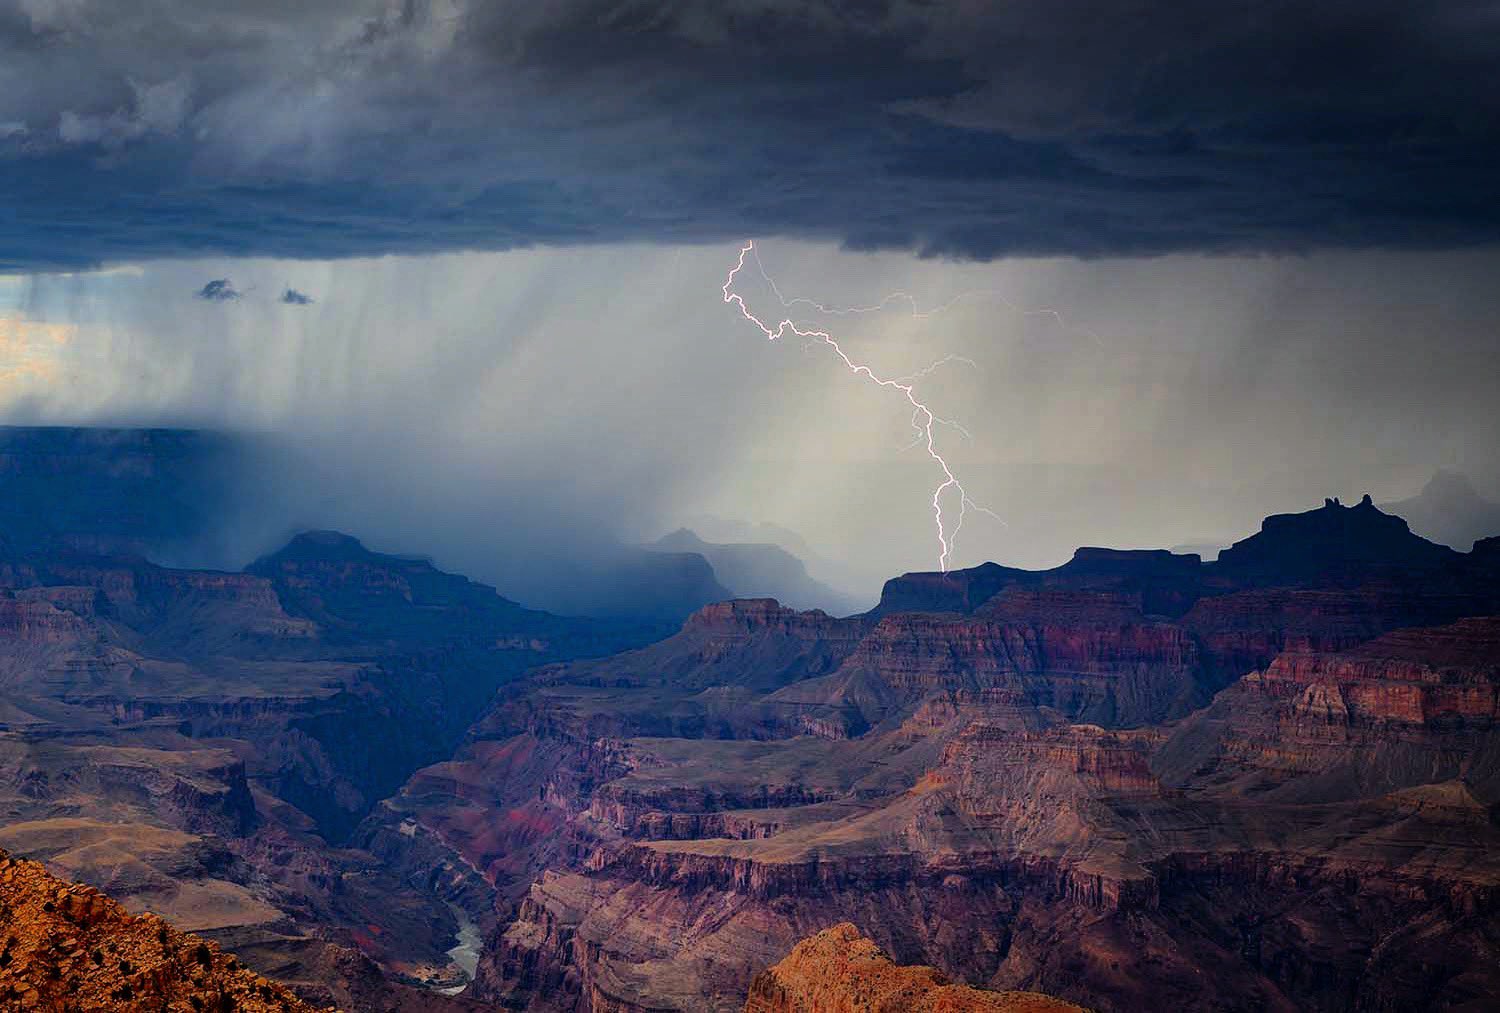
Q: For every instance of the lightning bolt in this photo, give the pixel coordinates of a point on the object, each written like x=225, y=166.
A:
x=924, y=419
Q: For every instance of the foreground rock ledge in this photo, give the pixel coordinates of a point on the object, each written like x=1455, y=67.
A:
x=64, y=947
x=840, y=971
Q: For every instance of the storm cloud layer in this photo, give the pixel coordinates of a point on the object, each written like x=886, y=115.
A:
x=133, y=130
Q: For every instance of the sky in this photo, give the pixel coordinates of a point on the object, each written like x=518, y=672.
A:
x=1208, y=262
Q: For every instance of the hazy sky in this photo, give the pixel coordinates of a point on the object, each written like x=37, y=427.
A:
x=457, y=400
x=1269, y=236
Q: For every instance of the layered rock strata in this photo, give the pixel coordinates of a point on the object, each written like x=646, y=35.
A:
x=1139, y=779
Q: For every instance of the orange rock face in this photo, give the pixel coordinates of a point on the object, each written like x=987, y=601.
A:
x=840, y=971
x=67, y=947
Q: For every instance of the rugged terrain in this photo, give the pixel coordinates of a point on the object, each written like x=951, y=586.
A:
x=1262, y=783
x=68, y=947
x=1267, y=782
x=840, y=971
x=201, y=743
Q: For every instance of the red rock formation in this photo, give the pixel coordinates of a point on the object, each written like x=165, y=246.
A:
x=69, y=947
x=1099, y=660
x=1245, y=630
x=840, y=971
x=1413, y=707
x=1114, y=762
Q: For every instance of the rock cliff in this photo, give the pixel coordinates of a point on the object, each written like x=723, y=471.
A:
x=840, y=971
x=69, y=947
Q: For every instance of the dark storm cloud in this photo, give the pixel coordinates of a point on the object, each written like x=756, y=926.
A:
x=132, y=130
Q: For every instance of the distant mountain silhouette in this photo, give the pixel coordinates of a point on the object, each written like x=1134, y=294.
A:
x=724, y=531
x=1449, y=510
x=1332, y=538
x=859, y=583
x=179, y=497
x=1332, y=545
x=755, y=570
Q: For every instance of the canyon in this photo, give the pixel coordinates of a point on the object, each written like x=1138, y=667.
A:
x=1271, y=781
x=202, y=744
x=1262, y=783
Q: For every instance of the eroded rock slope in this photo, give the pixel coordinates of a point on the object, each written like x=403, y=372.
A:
x=1264, y=783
